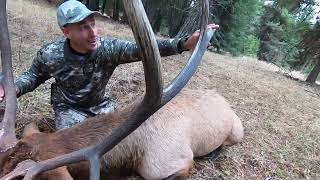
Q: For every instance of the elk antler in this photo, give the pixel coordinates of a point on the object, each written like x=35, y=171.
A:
x=7, y=130
x=142, y=109
x=20, y=170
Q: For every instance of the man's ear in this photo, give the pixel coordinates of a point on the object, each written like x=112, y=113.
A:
x=66, y=32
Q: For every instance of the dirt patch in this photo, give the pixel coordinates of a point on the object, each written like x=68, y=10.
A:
x=281, y=116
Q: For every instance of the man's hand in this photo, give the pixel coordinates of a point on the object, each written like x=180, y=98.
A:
x=2, y=93
x=193, y=39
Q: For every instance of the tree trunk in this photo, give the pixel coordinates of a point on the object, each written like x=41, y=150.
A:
x=104, y=6
x=124, y=17
x=93, y=5
x=109, y=7
x=116, y=10
x=177, y=14
x=154, y=10
x=192, y=22
x=314, y=73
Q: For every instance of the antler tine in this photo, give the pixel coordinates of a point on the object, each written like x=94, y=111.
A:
x=150, y=54
x=7, y=133
x=190, y=68
x=148, y=46
x=19, y=170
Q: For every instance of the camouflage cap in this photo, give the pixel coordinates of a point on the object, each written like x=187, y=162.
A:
x=73, y=11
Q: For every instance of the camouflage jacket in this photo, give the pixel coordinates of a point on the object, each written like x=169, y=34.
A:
x=80, y=80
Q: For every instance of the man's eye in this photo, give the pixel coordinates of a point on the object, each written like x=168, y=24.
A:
x=87, y=27
x=82, y=28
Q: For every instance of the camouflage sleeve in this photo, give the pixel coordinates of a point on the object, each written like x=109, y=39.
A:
x=31, y=79
x=126, y=51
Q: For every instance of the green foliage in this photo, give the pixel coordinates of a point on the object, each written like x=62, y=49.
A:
x=280, y=34
x=287, y=39
x=251, y=46
x=238, y=25
x=291, y=38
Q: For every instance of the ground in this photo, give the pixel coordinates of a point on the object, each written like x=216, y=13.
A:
x=280, y=115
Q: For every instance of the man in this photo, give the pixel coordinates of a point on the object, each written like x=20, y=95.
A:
x=82, y=64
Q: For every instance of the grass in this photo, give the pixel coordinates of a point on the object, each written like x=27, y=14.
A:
x=281, y=116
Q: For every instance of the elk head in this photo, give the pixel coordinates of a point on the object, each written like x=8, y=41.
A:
x=136, y=113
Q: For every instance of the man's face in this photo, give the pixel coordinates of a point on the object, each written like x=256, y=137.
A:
x=82, y=35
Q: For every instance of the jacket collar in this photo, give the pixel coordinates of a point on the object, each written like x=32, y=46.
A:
x=71, y=54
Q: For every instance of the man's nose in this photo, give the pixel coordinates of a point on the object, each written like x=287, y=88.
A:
x=93, y=31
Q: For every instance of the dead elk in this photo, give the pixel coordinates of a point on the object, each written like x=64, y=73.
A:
x=193, y=124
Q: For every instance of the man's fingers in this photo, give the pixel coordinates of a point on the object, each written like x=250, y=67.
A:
x=209, y=26
x=213, y=26
x=1, y=93
x=197, y=32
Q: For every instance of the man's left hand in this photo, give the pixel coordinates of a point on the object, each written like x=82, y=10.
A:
x=193, y=39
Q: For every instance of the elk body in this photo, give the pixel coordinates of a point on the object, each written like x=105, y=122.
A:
x=193, y=124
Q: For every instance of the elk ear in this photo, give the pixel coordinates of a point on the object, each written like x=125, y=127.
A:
x=30, y=129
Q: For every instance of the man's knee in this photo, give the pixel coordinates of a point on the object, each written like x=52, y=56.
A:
x=66, y=118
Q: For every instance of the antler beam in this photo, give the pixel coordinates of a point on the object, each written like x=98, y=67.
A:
x=7, y=131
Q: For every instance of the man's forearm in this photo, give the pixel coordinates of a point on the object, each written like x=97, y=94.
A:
x=126, y=52
x=33, y=77
x=171, y=46
x=21, y=88
x=27, y=82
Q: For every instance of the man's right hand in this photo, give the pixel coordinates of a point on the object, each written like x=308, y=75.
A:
x=2, y=92
x=2, y=95
x=193, y=39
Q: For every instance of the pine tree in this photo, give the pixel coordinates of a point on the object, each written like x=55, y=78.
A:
x=310, y=55
x=239, y=37
x=281, y=27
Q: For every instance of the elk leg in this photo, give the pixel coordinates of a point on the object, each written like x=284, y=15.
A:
x=236, y=134
x=167, y=168
x=213, y=155
x=180, y=175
